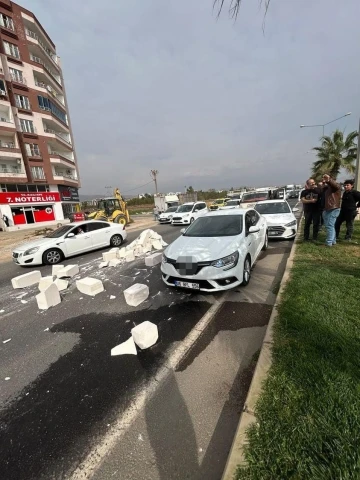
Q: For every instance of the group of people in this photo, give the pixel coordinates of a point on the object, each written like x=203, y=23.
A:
x=323, y=205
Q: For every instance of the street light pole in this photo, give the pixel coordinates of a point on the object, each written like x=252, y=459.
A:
x=323, y=125
x=153, y=174
x=357, y=169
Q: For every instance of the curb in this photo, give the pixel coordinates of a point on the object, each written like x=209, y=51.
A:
x=236, y=456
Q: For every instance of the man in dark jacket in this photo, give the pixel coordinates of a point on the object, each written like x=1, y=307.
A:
x=311, y=199
x=332, y=193
x=350, y=201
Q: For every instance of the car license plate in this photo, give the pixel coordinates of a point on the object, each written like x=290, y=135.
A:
x=194, y=286
x=273, y=233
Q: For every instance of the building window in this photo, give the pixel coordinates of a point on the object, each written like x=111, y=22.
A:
x=27, y=126
x=38, y=173
x=6, y=21
x=17, y=75
x=11, y=49
x=48, y=105
x=22, y=102
x=2, y=87
x=32, y=150
x=23, y=188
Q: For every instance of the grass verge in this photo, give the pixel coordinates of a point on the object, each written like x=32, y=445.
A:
x=308, y=416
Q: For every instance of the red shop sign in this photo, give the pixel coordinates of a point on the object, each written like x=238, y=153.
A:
x=29, y=197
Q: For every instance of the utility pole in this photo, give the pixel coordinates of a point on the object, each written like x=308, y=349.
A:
x=357, y=170
x=153, y=175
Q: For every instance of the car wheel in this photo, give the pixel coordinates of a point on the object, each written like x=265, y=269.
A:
x=266, y=242
x=116, y=241
x=52, y=256
x=191, y=220
x=246, y=271
x=120, y=219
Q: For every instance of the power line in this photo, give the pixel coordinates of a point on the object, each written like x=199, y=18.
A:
x=132, y=189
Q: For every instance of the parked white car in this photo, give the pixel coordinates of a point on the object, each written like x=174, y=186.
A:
x=188, y=212
x=68, y=240
x=280, y=219
x=216, y=252
x=166, y=216
x=231, y=204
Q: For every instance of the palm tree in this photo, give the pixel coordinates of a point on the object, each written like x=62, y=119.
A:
x=334, y=154
x=234, y=6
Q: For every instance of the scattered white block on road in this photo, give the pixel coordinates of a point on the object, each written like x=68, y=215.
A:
x=48, y=298
x=136, y=294
x=116, y=250
x=144, y=237
x=61, y=284
x=103, y=264
x=55, y=269
x=107, y=256
x=145, y=335
x=157, y=244
x=114, y=262
x=154, y=259
x=147, y=247
x=90, y=286
x=45, y=282
x=129, y=256
x=26, y=280
x=138, y=250
x=125, y=348
x=68, y=271
x=122, y=252
x=155, y=236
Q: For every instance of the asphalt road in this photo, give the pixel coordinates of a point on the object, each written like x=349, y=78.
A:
x=66, y=406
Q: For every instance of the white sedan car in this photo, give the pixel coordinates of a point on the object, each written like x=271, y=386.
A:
x=216, y=252
x=188, y=212
x=280, y=219
x=166, y=216
x=68, y=240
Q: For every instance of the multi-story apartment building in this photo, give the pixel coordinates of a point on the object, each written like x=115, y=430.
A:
x=39, y=177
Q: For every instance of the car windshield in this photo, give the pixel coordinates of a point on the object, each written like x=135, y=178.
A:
x=219, y=226
x=218, y=202
x=232, y=202
x=171, y=209
x=253, y=197
x=59, y=232
x=272, y=208
x=184, y=208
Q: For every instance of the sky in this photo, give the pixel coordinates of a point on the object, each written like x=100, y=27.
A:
x=211, y=103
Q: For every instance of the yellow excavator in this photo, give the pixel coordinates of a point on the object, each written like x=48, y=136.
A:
x=111, y=209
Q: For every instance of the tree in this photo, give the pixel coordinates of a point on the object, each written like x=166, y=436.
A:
x=190, y=189
x=335, y=153
x=234, y=6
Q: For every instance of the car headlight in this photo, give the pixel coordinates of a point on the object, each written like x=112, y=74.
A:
x=291, y=224
x=226, y=262
x=164, y=258
x=31, y=251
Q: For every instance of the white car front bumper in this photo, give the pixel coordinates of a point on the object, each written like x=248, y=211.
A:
x=33, y=259
x=181, y=220
x=280, y=231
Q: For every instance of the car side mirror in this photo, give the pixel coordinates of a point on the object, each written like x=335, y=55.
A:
x=71, y=235
x=254, y=229
x=295, y=209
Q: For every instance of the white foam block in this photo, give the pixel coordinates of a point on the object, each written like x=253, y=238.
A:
x=144, y=237
x=114, y=262
x=155, y=236
x=107, y=256
x=157, y=244
x=122, y=252
x=68, y=271
x=125, y=348
x=61, y=284
x=45, y=282
x=55, y=269
x=103, y=264
x=145, y=335
x=147, y=247
x=136, y=294
x=116, y=250
x=129, y=256
x=48, y=298
x=90, y=286
x=138, y=250
x=154, y=259
x=26, y=280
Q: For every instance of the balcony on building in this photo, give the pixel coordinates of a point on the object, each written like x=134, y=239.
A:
x=60, y=155
x=11, y=168
x=41, y=59
x=6, y=116
x=47, y=85
x=8, y=145
x=65, y=174
x=59, y=135
x=37, y=40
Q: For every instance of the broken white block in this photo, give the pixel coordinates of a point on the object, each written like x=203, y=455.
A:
x=164, y=244
x=157, y=244
x=68, y=271
x=112, y=297
x=7, y=341
x=155, y=236
x=61, y=284
x=138, y=250
x=145, y=335
x=136, y=294
x=125, y=348
x=115, y=249
x=144, y=237
x=122, y=252
x=129, y=256
x=48, y=298
x=114, y=262
x=90, y=286
x=45, y=282
x=154, y=259
x=103, y=264
x=107, y=256
x=147, y=247
x=24, y=301
x=26, y=280
x=55, y=269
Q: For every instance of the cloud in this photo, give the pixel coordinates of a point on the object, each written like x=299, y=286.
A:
x=210, y=103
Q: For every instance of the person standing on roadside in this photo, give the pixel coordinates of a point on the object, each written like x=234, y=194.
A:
x=311, y=200
x=322, y=204
x=332, y=194
x=349, y=203
x=156, y=213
